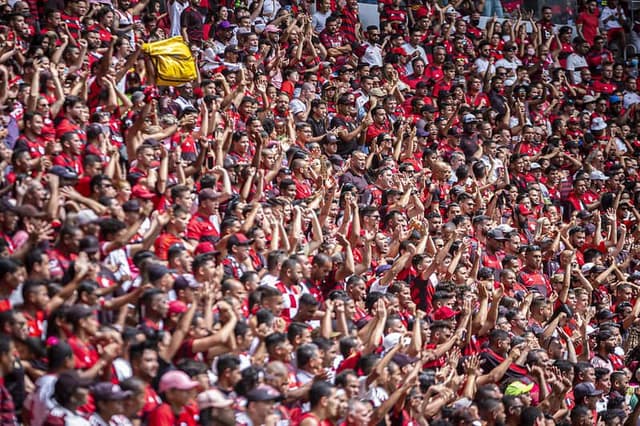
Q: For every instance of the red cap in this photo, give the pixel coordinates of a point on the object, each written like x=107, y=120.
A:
x=141, y=191
x=399, y=51
x=205, y=247
x=444, y=313
x=523, y=210
x=177, y=307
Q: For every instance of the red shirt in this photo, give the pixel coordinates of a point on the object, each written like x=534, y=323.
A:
x=200, y=226
x=86, y=355
x=151, y=402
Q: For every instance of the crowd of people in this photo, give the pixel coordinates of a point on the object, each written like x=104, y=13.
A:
x=429, y=221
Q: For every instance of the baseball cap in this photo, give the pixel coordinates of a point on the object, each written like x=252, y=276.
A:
x=156, y=271
x=271, y=29
x=208, y=194
x=182, y=282
x=176, y=379
x=402, y=360
x=587, y=267
x=597, y=175
x=605, y=314
x=469, y=118
x=535, y=166
x=444, y=313
x=177, y=307
x=131, y=206
x=390, y=340
x=588, y=99
x=213, y=398
x=585, y=389
x=598, y=124
x=71, y=380
x=89, y=244
x=86, y=216
x=329, y=139
x=518, y=388
x=225, y=25
x=238, y=239
x=584, y=214
x=141, y=191
x=497, y=234
x=263, y=393
x=106, y=391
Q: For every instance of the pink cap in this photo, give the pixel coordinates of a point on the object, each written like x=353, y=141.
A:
x=176, y=379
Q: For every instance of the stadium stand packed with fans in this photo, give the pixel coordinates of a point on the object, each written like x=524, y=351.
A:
x=267, y=212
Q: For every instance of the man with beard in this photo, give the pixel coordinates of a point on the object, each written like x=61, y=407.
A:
x=186, y=135
x=261, y=406
x=347, y=129
x=289, y=285
x=324, y=405
x=235, y=264
x=531, y=276
x=491, y=411
x=606, y=346
x=281, y=108
x=70, y=157
x=318, y=118
x=31, y=138
x=356, y=174
x=301, y=176
x=200, y=227
x=334, y=41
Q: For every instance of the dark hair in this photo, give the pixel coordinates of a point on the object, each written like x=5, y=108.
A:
x=319, y=390
x=58, y=354
x=227, y=361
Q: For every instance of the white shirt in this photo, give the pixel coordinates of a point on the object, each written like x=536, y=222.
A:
x=409, y=49
x=575, y=61
x=40, y=402
x=613, y=23
x=175, y=10
x=630, y=98
x=70, y=418
x=372, y=55
x=509, y=65
x=482, y=64
x=319, y=20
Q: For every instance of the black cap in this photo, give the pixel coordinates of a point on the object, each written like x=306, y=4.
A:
x=329, y=139
x=71, y=380
x=181, y=283
x=107, y=391
x=89, y=244
x=605, y=314
x=156, y=271
x=497, y=235
x=585, y=389
x=263, y=393
x=188, y=110
x=131, y=206
x=78, y=312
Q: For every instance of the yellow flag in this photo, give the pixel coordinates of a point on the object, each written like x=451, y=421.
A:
x=172, y=60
